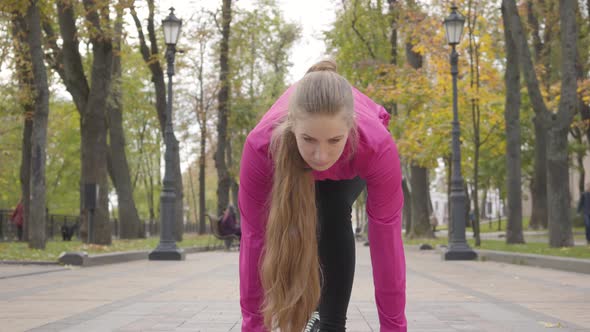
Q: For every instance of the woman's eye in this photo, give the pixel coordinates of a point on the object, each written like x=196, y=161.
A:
x=307, y=139
x=334, y=141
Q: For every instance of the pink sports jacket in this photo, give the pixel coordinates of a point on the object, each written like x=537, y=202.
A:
x=376, y=161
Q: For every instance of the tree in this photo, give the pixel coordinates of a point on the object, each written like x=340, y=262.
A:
x=483, y=95
x=26, y=29
x=24, y=97
x=558, y=122
x=90, y=99
x=542, y=50
x=203, y=108
x=38, y=205
x=151, y=56
x=223, y=110
x=204, y=100
x=513, y=160
x=260, y=42
x=420, y=224
x=116, y=156
x=26, y=19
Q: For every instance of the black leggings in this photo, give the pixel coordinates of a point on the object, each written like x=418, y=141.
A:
x=336, y=249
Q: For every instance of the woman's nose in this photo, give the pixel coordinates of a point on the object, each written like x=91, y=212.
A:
x=320, y=156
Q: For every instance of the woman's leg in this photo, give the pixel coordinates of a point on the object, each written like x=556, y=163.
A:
x=336, y=249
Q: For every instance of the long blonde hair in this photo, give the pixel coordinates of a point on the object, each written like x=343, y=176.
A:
x=290, y=270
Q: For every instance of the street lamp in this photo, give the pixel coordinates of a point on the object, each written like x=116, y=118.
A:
x=167, y=249
x=458, y=248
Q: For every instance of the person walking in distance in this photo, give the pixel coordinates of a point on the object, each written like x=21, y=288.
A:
x=584, y=209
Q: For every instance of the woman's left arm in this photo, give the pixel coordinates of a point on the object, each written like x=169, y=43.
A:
x=384, y=208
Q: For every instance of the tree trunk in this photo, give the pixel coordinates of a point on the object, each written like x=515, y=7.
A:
x=421, y=227
x=582, y=68
x=202, y=207
x=234, y=188
x=558, y=190
x=475, y=112
x=579, y=154
x=513, y=141
x=449, y=164
x=407, y=209
x=25, y=79
x=202, y=112
x=179, y=216
x=468, y=223
x=149, y=185
x=193, y=195
x=393, y=12
x=117, y=159
x=539, y=181
x=37, y=210
x=223, y=177
x=25, y=172
x=94, y=131
x=420, y=224
x=560, y=225
x=91, y=104
x=150, y=57
x=542, y=115
x=482, y=210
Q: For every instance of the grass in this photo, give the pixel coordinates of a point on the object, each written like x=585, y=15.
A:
x=492, y=226
x=20, y=251
x=529, y=248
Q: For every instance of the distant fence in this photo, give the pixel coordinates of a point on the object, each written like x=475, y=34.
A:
x=54, y=223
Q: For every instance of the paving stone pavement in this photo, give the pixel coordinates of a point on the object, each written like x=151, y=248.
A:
x=201, y=294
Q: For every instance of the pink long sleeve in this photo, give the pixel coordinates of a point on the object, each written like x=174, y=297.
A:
x=255, y=184
x=376, y=160
x=384, y=207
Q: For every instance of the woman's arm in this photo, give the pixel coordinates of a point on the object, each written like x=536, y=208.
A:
x=384, y=207
x=255, y=186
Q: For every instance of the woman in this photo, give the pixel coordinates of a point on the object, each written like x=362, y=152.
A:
x=302, y=168
x=17, y=218
x=228, y=224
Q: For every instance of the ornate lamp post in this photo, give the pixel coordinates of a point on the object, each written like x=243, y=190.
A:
x=458, y=248
x=167, y=249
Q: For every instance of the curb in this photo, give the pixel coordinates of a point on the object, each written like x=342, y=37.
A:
x=552, y=262
x=578, y=265
x=30, y=262
x=84, y=260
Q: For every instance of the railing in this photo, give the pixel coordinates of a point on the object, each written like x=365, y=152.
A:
x=8, y=231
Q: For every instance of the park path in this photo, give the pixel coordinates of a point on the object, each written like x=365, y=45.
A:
x=201, y=294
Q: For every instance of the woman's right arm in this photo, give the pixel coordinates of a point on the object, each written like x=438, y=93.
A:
x=255, y=187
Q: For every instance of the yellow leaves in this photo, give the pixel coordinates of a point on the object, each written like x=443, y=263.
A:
x=14, y=6
x=549, y=325
x=419, y=48
x=584, y=90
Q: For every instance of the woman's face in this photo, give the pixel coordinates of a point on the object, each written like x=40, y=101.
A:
x=321, y=139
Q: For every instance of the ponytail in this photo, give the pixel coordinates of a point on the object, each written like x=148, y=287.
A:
x=324, y=65
x=290, y=268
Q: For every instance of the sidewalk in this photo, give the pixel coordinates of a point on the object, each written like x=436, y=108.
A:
x=201, y=294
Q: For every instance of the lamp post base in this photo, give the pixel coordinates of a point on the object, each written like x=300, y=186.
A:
x=459, y=253
x=175, y=254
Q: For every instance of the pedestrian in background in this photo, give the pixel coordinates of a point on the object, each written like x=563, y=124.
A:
x=17, y=219
x=584, y=209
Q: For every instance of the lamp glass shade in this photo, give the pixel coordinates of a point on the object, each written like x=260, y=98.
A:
x=171, y=26
x=454, y=27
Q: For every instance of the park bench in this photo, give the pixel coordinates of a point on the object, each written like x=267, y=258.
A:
x=227, y=239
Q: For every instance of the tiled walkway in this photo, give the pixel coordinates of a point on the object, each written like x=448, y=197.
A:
x=201, y=294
